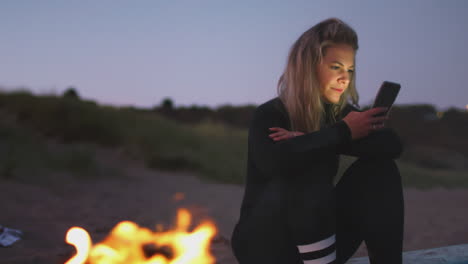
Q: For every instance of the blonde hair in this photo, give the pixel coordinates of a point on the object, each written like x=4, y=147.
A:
x=298, y=87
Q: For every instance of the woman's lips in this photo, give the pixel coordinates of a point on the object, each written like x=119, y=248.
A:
x=338, y=90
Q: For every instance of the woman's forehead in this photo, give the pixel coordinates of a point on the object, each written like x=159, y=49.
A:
x=343, y=54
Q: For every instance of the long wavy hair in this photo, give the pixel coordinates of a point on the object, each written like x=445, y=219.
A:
x=298, y=86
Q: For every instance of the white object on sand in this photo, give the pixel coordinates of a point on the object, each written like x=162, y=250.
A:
x=8, y=236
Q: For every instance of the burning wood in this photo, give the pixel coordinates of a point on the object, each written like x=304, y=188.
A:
x=128, y=243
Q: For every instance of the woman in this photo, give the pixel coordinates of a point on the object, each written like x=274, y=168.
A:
x=291, y=211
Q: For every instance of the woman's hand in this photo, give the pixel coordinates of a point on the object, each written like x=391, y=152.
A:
x=282, y=134
x=362, y=124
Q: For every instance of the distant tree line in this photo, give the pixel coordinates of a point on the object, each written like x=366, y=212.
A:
x=419, y=126
x=432, y=138
x=422, y=128
x=71, y=93
x=236, y=116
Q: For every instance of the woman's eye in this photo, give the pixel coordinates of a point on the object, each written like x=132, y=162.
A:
x=334, y=67
x=351, y=71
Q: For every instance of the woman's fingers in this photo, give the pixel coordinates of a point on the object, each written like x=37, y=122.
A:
x=377, y=126
x=376, y=111
x=277, y=134
x=378, y=119
x=283, y=133
x=281, y=137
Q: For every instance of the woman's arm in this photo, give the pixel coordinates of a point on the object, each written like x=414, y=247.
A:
x=290, y=156
x=380, y=143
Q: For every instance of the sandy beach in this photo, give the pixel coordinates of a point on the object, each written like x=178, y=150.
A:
x=45, y=211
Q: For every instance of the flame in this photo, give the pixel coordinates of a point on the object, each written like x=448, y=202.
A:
x=78, y=237
x=128, y=243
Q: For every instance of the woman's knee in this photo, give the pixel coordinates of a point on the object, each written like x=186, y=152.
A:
x=373, y=166
x=375, y=163
x=370, y=171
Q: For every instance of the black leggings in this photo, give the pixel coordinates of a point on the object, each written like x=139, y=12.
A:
x=366, y=205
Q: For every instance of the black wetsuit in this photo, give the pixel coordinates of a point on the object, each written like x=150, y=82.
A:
x=290, y=198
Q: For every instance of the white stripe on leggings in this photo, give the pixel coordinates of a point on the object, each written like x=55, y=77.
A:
x=324, y=260
x=317, y=245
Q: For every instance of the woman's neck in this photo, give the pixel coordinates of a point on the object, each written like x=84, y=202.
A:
x=329, y=115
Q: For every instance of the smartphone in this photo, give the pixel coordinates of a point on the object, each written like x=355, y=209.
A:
x=386, y=96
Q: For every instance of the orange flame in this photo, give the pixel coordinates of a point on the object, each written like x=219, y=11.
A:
x=127, y=241
x=78, y=237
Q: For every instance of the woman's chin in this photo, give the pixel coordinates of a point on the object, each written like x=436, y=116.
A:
x=332, y=100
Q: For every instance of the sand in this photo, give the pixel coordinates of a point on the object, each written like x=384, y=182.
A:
x=45, y=211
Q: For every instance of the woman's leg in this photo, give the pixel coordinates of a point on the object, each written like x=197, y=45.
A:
x=261, y=236
x=312, y=222
x=370, y=208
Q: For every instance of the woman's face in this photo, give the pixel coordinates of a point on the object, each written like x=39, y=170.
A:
x=335, y=72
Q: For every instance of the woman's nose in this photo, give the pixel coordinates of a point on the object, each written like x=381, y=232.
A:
x=344, y=78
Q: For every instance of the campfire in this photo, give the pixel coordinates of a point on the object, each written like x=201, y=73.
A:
x=130, y=244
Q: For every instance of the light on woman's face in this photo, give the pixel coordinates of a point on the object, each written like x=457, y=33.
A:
x=335, y=72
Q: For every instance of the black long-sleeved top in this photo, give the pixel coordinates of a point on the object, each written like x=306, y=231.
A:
x=312, y=158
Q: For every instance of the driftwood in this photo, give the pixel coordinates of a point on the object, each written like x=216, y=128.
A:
x=457, y=254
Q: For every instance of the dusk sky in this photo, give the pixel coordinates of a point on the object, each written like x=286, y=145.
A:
x=225, y=52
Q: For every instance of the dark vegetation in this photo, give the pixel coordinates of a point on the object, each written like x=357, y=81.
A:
x=432, y=139
x=235, y=116
x=213, y=150
x=210, y=142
